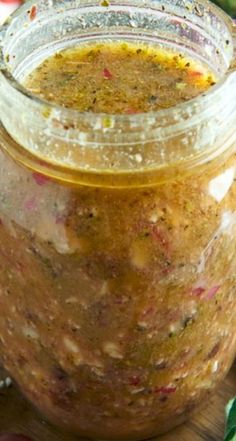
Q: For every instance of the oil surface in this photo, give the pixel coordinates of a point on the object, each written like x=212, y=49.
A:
x=119, y=77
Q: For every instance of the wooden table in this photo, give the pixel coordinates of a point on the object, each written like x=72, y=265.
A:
x=17, y=416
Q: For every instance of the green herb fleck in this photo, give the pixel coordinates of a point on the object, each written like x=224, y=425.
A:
x=46, y=112
x=107, y=122
x=105, y=3
x=152, y=99
x=144, y=234
x=180, y=86
x=58, y=56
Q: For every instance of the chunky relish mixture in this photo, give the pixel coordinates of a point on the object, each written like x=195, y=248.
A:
x=118, y=304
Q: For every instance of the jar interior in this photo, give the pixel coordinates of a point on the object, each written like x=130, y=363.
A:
x=190, y=27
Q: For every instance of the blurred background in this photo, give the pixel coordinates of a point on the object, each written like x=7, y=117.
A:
x=228, y=5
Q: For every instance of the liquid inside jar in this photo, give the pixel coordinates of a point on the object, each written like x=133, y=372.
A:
x=119, y=78
x=118, y=303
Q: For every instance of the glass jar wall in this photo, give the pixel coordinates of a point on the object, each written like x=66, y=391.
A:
x=117, y=233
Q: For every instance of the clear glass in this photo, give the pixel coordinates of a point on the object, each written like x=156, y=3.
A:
x=117, y=233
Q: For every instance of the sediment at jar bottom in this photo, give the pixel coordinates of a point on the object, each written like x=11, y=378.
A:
x=126, y=429
x=121, y=430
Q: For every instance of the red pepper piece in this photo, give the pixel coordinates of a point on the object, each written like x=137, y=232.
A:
x=30, y=204
x=131, y=111
x=134, y=381
x=107, y=74
x=206, y=294
x=159, y=236
x=214, y=351
x=121, y=300
x=164, y=390
x=167, y=271
x=148, y=312
x=198, y=291
x=212, y=292
x=11, y=1
x=33, y=13
x=175, y=21
x=195, y=74
x=40, y=179
x=60, y=219
x=20, y=267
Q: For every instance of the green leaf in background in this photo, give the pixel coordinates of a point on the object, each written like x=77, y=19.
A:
x=228, y=5
x=230, y=433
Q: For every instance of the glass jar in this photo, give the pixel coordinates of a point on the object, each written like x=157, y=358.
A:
x=118, y=232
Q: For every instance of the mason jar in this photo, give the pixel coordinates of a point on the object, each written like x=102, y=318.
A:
x=118, y=232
